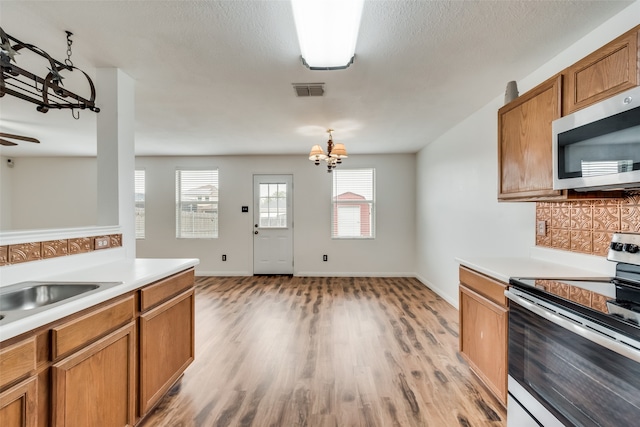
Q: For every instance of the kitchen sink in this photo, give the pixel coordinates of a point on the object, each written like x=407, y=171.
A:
x=39, y=295
x=24, y=299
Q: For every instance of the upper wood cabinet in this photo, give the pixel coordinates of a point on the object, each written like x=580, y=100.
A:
x=609, y=70
x=524, y=143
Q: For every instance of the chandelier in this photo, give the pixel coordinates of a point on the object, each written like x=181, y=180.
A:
x=334, y=156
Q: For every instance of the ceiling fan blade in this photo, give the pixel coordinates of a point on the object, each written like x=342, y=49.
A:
x=19, y=138
x=5, y=142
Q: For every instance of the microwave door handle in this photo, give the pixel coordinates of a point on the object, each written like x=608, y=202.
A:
x=594, y=336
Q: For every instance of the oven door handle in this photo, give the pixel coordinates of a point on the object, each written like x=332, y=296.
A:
x=567, y=323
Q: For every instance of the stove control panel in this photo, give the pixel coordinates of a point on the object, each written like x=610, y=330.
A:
x=625, y=247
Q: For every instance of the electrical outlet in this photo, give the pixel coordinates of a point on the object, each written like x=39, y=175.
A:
x=224, y=257
x=101, y=243
x=542, y=228
x=325, y=258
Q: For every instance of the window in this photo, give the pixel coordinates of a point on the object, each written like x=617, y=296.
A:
x=196, y=204
x=353, y=204
x=139, y=202
x=273, y=205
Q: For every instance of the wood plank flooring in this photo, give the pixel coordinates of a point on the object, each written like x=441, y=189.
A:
x=295, y=351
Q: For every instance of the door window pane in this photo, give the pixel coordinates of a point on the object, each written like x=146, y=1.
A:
x=273, y=205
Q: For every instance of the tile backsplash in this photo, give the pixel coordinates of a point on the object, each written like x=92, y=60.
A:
x=34, y=251
x=587, y=226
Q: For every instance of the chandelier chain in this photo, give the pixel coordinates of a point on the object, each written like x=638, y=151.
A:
x=69, y=53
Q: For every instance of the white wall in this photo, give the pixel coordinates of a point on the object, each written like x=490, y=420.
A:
x=6, y=191
x=52, y=192
x=390, y=253
x=113, y=171
x=457, y=179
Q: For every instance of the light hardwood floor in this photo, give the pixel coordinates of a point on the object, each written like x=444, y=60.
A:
x=296, y=351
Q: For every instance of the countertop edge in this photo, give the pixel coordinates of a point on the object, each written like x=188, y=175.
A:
x=502, y=268
x=133, y=274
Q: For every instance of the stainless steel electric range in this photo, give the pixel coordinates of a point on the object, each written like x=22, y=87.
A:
x=574, y=346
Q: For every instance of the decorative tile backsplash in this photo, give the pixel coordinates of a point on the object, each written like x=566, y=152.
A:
x=587, y=226
x=34, y=251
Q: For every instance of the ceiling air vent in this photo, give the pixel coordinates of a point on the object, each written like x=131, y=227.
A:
x=309, y=89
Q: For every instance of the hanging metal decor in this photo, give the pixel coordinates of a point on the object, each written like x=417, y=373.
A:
x=46, y=92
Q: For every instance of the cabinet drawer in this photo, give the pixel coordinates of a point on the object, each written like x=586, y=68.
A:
x=79, y=332
x=17, y=361
x=485, y=286
x=165, y=289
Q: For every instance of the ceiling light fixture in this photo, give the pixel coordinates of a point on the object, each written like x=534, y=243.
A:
x=334, y=156
x=327, y=32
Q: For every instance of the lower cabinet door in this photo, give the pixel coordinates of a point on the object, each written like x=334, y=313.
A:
x=95, y=386
x=483, y=340
x=19, y=404
x=166, y=347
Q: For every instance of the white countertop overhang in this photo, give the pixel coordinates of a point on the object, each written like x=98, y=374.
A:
x=133, y=273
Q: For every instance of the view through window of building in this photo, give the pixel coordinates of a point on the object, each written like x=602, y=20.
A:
x=273, y=205
x=196, y=204
x=139, y=203
x=353, y=202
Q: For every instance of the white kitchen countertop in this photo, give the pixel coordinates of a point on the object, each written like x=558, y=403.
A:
x=502, y=268
x=133, y=273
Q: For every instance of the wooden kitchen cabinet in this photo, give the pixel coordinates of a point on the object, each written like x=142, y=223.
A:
x=95, y=382
x=609, y=70
x=524, y=144
x=167, y=336
x=19, y=385
x=105, y=366
x=95, y=386
x=19, y=404
x=483, y=329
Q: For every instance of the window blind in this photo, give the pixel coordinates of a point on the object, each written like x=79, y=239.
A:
x=196, y=204
x=139, y=177
x=353, y=202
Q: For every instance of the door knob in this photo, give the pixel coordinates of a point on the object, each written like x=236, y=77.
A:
x=255, y=232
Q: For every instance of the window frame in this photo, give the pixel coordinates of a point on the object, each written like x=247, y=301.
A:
x=335, y=203
x=180, y=202
x=140, y=234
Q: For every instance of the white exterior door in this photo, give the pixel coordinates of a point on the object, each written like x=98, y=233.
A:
x=273, y=224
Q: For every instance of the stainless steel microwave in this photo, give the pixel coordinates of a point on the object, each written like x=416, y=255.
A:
x=598, y=148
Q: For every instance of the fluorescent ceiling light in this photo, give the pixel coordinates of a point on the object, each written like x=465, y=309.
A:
x=327, y=31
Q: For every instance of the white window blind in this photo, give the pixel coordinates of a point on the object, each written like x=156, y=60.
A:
x=196, y=204
x=353, y=202
x=139, y=202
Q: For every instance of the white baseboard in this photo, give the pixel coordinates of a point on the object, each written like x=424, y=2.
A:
x=438, y=291
x=222, y=273
x=350, y=274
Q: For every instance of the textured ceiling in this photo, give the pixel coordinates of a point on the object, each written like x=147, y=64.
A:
x=215, y=77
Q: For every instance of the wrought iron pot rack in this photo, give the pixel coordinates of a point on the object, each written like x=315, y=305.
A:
x=46, y=92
